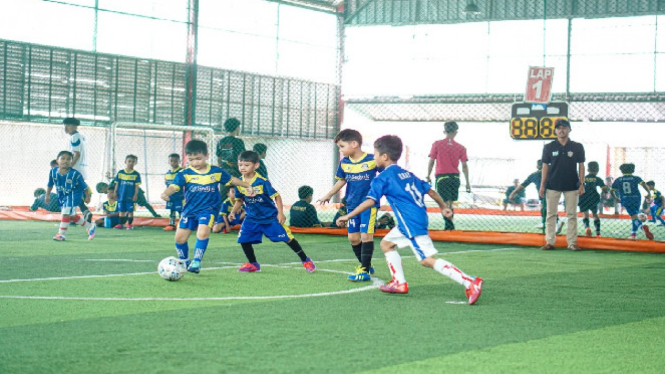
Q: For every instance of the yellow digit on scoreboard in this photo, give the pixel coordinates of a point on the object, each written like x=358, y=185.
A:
x=524, y=128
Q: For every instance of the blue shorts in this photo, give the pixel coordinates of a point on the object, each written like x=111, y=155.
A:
x=364, y=222
x=656, y=210
x=111, y=222
x=206, y=218
x=176, y=205
x=632, y=207
x=251, y=232
x=126, y=206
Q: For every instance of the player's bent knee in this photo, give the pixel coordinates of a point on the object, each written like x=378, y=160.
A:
x=428, y=262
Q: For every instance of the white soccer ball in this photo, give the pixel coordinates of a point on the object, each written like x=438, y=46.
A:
x=642, y=217
x=172, y=269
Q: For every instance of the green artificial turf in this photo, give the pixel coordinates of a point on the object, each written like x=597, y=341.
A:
x=100, y=306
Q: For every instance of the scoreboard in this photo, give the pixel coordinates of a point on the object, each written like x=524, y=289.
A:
x=536, y=121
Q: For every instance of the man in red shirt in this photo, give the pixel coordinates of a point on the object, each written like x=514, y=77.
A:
x=448, y=153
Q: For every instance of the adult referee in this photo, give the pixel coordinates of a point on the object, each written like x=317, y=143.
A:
x=563, y=173
x=448, y=154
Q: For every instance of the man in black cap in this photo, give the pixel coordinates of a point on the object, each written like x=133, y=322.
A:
x=563, y=173
x=230, y=147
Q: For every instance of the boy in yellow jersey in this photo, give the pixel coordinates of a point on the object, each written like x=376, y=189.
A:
x=263, y=216
x=177, y=200
x=201, y=182
x=111, y=215
x=356, y=170
x=127, y=183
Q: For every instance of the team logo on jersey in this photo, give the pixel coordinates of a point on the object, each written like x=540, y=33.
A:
x=69, y=181
x=212, y=178
x=348, y=168
x=570, y=153
x=365, y=167
x=555, y=153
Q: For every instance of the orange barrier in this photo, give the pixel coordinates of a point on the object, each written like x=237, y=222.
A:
x=485, y=237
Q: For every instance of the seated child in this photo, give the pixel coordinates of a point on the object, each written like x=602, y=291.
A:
x=111, y=216
x=517, y=199
x=223, y=224
x=303, y=213
x=40, y=196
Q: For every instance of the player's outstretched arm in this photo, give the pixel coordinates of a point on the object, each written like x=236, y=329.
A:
x=515, y=192
x=47, y=198
x=543, y=180
x=430, y=166
x=237, y=182
x=338, y=186
x=86, y=195
x=236, y=208
x=280, y=209
x=445, y=210
x=465, y=170
x=170, y=190
x=359, y=209
x=644, y=185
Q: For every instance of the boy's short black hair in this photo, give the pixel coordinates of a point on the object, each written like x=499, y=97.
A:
x=593, y=166
x=651, y=183
x=627, y=168
x=305, y=191
x=101, y=187
x=71, y=121
x=174, y=155
x=349, y=135
x=249, y=156
x=132, y=157
x=65, y=153
x=260, y=148
x=231, y=124
x=40, y=191
x=450, y=127
x=196, y=146
x=390, y=145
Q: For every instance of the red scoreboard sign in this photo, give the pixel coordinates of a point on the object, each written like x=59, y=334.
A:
x=539, y=85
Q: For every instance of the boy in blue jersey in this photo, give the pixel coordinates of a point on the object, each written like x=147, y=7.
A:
x=356, y=170
x=405, y=194
x=224, y=224
x=177, y=200
x=202, y=201
x=71, y=190
x=127, y=183
x=263, y=216
x=591, y=198
x=110, y=211
x=628, y=193
x=657, y=205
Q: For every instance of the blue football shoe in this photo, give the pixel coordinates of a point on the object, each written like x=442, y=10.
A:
x=194, y=267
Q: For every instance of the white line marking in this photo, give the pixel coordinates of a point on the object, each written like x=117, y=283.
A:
x=376, y=282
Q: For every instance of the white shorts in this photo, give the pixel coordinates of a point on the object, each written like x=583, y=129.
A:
x=68, y=211
x=421, y=245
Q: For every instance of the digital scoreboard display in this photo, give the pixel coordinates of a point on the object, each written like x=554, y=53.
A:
x=536, y=121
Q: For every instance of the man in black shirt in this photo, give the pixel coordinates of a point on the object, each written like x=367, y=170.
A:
x=563, y=173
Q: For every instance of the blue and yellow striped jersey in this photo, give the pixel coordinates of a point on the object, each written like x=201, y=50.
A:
x=358, y=175
x=126, y=182
x=201, y=189
x=657, y=197
x=110, y=208
x=168, y=179
x=259, y=208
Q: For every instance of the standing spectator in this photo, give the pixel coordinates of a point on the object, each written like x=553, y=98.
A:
x=77, y=146
x=563, y=173
x=261, y=149
x=230, y=147
x=448, y=153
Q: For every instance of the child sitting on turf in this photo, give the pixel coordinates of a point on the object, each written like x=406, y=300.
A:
x=71, y=189
x=176, y=201
x=625, y=189
x=110, y=210
x=40, y=196
x=202, y=201
x=223, y=224
x=590, y=200
x=656, y=208
x=405, y=194
x=303, y=213
x=263, y=215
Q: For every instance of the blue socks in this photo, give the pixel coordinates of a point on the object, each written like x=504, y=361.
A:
x=201, y=246
x=636, y=225
x=183, y=250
